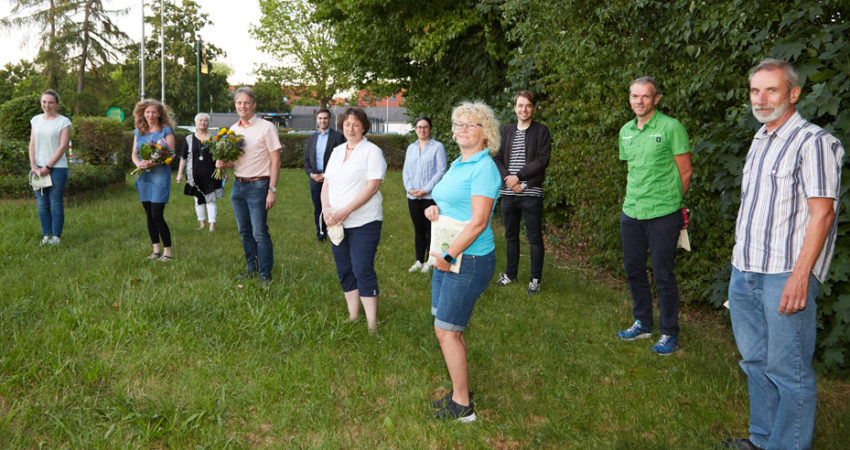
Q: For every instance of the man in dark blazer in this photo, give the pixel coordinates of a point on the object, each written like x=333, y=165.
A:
x=320, y=145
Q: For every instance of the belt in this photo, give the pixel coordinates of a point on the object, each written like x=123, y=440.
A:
x=251, y=180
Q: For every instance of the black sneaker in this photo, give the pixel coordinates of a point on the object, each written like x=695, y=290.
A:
x=442, y=402
x=456, y=413
x=739, y=443
x=247, y=274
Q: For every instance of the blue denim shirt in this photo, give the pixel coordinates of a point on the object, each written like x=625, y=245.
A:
x=422, y=170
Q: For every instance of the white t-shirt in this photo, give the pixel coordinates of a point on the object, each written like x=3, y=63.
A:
x=346, y=179
x=46, y=139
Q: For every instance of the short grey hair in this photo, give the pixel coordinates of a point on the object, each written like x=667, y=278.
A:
x=202, y=114
x=792, y=77
x=483, y=114
x=247, y=91
x=646, y=80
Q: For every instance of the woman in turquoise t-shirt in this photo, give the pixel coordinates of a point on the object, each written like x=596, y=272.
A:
x=48, y=142
x=154, y=183
x=466, y=193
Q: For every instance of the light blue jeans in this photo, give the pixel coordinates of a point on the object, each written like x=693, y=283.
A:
x=249, y=209
x=776, y=354
x=51, y=207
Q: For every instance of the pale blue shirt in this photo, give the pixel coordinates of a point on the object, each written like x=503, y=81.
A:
x=423, y=170
x=321, y=143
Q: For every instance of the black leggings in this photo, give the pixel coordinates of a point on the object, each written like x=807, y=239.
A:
x=156, y=223
x=421, y=226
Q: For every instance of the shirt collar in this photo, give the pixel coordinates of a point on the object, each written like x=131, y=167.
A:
x=783, y=131
x=327, y=130
x=247, y=124
x=650, y=124
x=474, y=158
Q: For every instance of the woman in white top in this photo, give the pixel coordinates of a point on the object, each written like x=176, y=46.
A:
x=49, y=139
x=351, y=198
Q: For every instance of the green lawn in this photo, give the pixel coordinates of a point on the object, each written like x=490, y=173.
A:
x=100, y=348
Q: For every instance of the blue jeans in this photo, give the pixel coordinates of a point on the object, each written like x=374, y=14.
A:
x=776, y=354
x=249, y=209
x=659, y=236
x=355, y=259
x=51, y=209
x=454, y=294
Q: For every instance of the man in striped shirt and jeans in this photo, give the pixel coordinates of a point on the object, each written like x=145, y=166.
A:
x=784, y=240
x=522, y=160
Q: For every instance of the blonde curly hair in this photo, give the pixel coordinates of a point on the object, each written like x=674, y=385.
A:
x=482, y=114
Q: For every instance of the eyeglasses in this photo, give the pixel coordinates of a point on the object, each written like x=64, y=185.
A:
x=457, y=126
x=423, y=128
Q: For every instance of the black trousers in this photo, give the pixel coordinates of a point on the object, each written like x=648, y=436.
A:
x=316, y=196
x=529, y=209
x=421, y=226
x=659, y=236
x=157, y=228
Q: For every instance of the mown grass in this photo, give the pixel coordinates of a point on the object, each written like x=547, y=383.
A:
x=102, y=349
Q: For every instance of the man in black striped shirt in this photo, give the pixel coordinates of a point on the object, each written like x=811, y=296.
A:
x=522, y=161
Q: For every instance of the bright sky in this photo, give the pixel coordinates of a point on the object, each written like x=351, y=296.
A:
x=228, y=32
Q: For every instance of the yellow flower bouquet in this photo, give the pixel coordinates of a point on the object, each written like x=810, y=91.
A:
x=156, y=152
x=226, y=146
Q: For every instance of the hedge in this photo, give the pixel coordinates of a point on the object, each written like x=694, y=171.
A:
x=82, y=178
x=701, y=57
x=394, y=147
x=15, y=116
x=14, y=157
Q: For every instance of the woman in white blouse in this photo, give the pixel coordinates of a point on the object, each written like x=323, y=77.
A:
x=49, y=139
x=351, y=197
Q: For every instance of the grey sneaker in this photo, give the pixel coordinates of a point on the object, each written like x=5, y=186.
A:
x=504, y=280
x=534, y=286
x=442, y=402
x=54, y=240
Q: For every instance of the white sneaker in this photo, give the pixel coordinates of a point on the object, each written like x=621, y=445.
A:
x=54, y=240
x=426, y=267
x=45, y=240
x=416, y=266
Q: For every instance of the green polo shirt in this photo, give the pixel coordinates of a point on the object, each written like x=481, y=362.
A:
x=654, y=186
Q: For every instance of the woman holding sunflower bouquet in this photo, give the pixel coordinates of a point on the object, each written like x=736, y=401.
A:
x=153, y=183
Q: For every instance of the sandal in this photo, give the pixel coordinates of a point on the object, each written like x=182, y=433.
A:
x=165, y=258
x=154, y=255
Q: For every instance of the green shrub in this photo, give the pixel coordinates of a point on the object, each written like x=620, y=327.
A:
x=14, y=157
x=394, y=147
x=15, y=117
x=82, y=178
x=97, y=140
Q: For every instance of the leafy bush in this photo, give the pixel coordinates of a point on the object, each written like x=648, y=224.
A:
x=97, y=140
x=701, y=57
x=393, y=145
x=15, y=117
x=14, y=157
x=82, y=178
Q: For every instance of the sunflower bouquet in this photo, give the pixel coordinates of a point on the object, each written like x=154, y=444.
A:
x=157, y=152
x=226, y=146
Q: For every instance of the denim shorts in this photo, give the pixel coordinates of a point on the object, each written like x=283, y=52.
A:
x=454, y=294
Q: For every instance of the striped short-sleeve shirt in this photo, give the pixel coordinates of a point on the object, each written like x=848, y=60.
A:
x=784, y=168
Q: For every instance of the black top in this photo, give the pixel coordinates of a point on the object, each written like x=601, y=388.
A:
x=202, y=165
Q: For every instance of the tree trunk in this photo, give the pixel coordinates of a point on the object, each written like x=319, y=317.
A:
x=83, y=55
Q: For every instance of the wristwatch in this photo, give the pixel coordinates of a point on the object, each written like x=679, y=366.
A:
x=273, y=189
x=449, y=258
